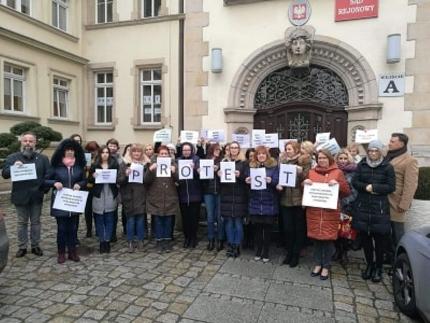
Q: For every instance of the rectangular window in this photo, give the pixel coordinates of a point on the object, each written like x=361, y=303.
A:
x=61, y=97
x=104, y=97
x=104, y=11
x=14, y=85
x=150, y=95
x=59, y=14
x=150, y=8
x=19, y=5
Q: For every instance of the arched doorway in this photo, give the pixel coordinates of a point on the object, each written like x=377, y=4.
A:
x=301, y=103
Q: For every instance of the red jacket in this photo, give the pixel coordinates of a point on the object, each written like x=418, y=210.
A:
x=323, y=224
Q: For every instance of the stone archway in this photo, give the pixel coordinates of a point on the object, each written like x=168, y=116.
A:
x=341, y=58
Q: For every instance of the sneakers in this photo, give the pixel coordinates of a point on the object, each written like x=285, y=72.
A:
x=37, y=251
x=266, y=260
x=257, y=258
x=21, y=253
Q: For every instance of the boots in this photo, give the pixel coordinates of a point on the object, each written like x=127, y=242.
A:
x=61, y=256
x=377, y=275
x=107, y=246
x=102, y=247
x=187, y=243
x=230, y=252
x=220, y=245
x=294, y=260
x=236, y=251
x=368, y=272
x=288, y=258
x=73, y=255
x=211, y=245
x=130, y=247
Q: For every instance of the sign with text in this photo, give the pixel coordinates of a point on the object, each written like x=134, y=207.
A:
x=69, y=200
x=258, y=137
x=322, y=137
x=356, y=9
x=206, y=168
x=163, y=135
x=189, y=136
x=216, y=135
x=321, y=195
x=365, y=136
x=392, y=84
x=136, y=174
x=332, y=146
x=23, y=172
x=287, y=175
x=185, y=168
x=271, y=140
x=105, y=176
x=258, y=178
x=243, y=140
x=228, y=170
x=163, y=166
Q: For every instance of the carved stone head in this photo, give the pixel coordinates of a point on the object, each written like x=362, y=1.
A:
x=298, y=41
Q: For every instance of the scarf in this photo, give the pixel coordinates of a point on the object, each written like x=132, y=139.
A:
x=374, y=163
x=69, y=161
x=395, y=153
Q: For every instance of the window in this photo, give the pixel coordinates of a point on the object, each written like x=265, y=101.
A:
x=59, y=14
x=19, y=5
x=150, y=95
x=61, y=97
x=150, y=8
x=104, y=97
x=14, y=84
x=104, y=11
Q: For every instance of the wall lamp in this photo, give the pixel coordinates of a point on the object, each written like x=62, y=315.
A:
x=393, y=48
x=216, y=60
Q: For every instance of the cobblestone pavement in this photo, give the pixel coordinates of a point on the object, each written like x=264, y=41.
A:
x=182, y=286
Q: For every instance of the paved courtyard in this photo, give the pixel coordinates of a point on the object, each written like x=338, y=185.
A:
x=183, y=286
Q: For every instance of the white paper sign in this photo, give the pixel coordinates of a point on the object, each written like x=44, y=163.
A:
x=271, y=140
x=204, y=133
x=366, y=136
x=287, y=175
x=216, y=135
x=189, y=136
x=136, y=174
x=228, y=172
x=163, y=135
x=283, y=142
x=88, y=159
x=258, y=178
x=206, y=168
x=163, y=166
x=242, y=139
x=322, y=138
x=70, y=200
x=185, y=169
x=23, y=172
x=258, y=137
x=106, y=176
x=321, y=195
x=332, y=146
x=392, y=84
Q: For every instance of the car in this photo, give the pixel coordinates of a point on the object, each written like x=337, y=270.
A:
x=4, y=243
x=411, y=283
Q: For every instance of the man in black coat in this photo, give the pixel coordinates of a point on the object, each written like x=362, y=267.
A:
x=27, y=195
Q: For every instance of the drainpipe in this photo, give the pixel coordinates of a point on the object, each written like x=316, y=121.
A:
x=181, y=69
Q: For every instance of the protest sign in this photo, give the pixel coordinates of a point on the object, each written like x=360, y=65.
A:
x=189, y=136
x=258, y=137
x=258, y=178
x=23, y=172
x=106, y=176
x=332, y=146
x=88, y=159
x=163, y=135
x=228, y=172
x=287, y=175
x=185, y=168
x=283, y=142
x=204, y=133
x=163, y=166
x=216, y=135
x=69, y=200
x=271, y=140
x=136, y=174
x=322, y=137
x=321, y=195
x=206, y=168
x=366, y=136
x=242, y=139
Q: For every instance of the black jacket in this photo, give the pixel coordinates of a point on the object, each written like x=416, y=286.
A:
x=372, y=210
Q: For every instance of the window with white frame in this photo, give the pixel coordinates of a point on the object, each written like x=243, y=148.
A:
x=14, y=88
x=23, y=6
x=150, y=95
x=61, y=97
x=59, y=13
x=104, y=97
x=150, y=8
x=104, y=11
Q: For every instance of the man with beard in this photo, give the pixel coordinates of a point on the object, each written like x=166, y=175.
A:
x=27, y=195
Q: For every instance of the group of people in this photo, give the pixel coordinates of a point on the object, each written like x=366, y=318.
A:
x=375, y=190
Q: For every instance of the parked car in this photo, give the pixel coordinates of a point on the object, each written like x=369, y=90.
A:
x=4, y=243
x=411, y=283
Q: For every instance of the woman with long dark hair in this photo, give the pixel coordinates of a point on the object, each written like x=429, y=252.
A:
x=92, y=148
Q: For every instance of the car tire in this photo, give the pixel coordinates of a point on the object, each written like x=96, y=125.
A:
x=403, y=286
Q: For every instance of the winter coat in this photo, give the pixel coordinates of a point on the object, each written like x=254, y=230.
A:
x=323, y=224
x=234, y=196
x=97, y=188
x=190, y=190
x=265, y=202
x=162, y=196
x=347, y=203
x=30, y=191
x=372, y=210
x=406, y=170
x=133, y=195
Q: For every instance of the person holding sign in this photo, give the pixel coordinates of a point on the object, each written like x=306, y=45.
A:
x=133, y=195
x=292, y=212
x=27, y=195
x=91, y=150
x=234, y=199
x=263, y=203
x=190, y=193
x=323, y=223
x=374, y=180
x=68, y=171
x=104, y=198
x=162, y=200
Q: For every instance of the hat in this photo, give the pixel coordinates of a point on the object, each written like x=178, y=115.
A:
x=376, y=144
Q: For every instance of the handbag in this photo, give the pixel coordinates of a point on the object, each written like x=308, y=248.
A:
x=346, y=231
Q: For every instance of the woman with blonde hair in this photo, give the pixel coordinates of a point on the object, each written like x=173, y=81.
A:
x=307, y=147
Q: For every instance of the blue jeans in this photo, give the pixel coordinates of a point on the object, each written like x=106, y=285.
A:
x=212, y=202
x=66, y=232
x=104, y=225
x=234, y=230
x=135, y=226
x=163, y=227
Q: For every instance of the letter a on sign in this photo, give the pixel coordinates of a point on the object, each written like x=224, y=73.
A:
x=287, y=175
x=185, y=169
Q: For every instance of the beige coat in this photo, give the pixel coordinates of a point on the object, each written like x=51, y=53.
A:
x=406, y=169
